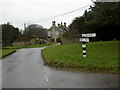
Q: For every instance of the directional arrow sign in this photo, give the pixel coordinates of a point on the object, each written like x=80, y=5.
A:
x=84, y=39
x=89, y=35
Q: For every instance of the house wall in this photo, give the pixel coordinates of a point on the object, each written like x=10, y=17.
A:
x=53, y=30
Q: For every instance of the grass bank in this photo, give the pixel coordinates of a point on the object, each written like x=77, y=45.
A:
x=101, y=57
x=5, y=52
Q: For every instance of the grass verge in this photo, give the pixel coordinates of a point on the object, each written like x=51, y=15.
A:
x=101, y=57
x=5, y=52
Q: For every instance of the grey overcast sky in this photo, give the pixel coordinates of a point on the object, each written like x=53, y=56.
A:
x=19, y=12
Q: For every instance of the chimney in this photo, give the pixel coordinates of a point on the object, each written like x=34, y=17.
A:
x=53, y=23
x=64, y=24
x=58, y=25
x=61, y=23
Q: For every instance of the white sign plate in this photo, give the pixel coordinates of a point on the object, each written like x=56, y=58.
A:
x=84, y=39
x=89, y=35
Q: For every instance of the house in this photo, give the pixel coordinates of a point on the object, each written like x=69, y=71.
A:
x=55, y=32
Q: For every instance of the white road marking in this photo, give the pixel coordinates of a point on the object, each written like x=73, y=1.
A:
x=45, y=75
x=46, y=78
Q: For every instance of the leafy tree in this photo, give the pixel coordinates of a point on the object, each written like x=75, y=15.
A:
x=9, y=33
x=103, y=18
x=35, y=30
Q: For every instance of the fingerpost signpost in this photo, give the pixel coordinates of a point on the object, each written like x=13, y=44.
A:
x=84, y=40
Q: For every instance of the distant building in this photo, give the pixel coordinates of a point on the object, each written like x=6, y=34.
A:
x=55, y=32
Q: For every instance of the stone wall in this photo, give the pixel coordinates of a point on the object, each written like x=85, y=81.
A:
x=18, y=44
x=70, y=40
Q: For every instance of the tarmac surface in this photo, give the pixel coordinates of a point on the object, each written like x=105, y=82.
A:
x=25, y=69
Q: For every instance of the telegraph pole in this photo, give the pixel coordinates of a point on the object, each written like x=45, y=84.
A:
x=24, y=26
x=24, y=30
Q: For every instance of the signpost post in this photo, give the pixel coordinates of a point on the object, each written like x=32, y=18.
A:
x=85, y=40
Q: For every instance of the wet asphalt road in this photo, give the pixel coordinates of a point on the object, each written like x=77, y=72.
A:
x=25, y=69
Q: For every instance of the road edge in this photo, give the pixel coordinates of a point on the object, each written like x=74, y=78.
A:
x=8, y=54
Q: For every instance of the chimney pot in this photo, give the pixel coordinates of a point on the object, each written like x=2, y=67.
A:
x=61, y=23
x=53, y=23
x=64, y=24
x=58, y=25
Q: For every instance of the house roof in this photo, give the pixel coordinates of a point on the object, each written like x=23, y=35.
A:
x=59, y=28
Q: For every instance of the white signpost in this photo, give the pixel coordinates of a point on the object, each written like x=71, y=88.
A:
x=89, y=35
x=85, y=40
